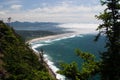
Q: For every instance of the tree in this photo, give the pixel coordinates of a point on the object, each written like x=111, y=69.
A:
x=17, y=60
x=111, y=28
x=109, y=67
x=41, y=55
x=88, y=69
x=9, y=20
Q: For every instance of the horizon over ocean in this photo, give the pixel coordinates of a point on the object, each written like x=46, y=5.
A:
x=63, y=48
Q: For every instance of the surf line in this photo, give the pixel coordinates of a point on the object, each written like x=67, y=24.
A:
x=42, y=60
x=47, y=63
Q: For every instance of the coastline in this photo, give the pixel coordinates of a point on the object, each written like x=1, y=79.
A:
x=39, y=54
x=52, y=72
x=45, y=63
x=51, y=37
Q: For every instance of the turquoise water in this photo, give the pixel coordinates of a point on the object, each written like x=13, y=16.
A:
x=64, y=49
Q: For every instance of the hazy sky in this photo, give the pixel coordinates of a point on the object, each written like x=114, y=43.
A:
x=82, y=11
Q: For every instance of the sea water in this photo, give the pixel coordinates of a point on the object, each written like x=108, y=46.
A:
x=63, y=50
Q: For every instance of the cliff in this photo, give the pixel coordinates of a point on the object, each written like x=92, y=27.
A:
x=17, y=61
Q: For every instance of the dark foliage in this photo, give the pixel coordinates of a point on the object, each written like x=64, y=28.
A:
x=111, y=28
x=17, y=61
x=88, y=70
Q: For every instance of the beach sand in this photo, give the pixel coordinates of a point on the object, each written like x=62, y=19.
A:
x=51, y=37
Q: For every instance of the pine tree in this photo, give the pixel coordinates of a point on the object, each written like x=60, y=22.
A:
x=109, y=67
x=111, y=28
x=9, y=20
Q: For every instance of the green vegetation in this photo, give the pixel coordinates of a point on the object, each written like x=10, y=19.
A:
x=17, y=61
x=89, y=67
x=110, y=69
x=109, y=66
x=28, y=34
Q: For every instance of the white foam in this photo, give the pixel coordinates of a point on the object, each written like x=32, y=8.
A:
x=53, y=67
x=65, y=37
x=48, y=58
x=76, y=28
x=50, y=63
x=35, y=50
x=49, y=41
x=37, y=45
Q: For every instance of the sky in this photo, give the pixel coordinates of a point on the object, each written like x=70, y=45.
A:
x=62, y=11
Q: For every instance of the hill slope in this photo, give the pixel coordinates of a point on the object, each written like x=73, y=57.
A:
x=31, y=34
x=17, y=61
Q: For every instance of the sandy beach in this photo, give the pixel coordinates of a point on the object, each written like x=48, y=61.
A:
x=51, y=37
x=51, y=68
x=47, y=65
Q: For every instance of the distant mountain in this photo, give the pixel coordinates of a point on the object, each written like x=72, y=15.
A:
x=30, y=30
x=35, y=24
x=47, y=26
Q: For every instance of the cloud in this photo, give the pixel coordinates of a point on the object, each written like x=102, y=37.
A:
x=16, y=7
x=79, y=28
x=62, y=12
x=66, y=13
x=2, y=13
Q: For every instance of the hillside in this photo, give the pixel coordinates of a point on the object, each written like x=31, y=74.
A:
x=31, y=34
x=43, y=26
x=17, y=61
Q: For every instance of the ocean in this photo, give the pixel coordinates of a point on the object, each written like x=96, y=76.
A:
x=62, y=49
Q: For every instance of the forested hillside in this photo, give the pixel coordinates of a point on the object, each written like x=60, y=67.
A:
x=17, y=61
x=31, y=34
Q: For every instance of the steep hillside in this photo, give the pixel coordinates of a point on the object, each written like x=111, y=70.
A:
x=17, y=61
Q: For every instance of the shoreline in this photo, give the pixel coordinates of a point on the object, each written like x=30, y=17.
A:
x=39, y=54
x=51, y=37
